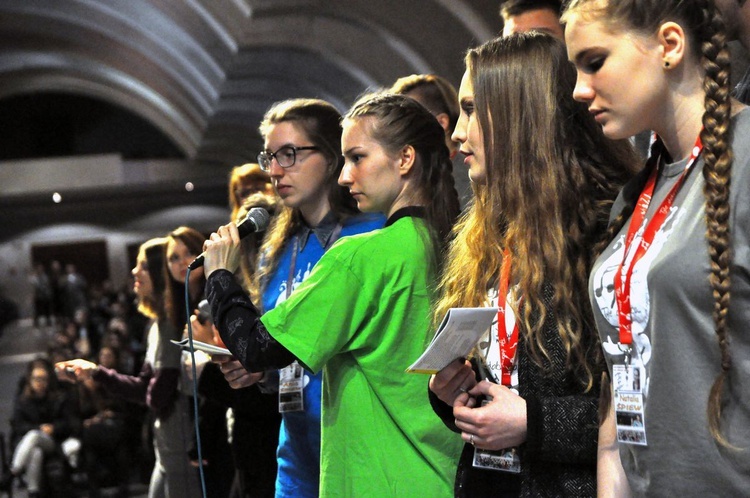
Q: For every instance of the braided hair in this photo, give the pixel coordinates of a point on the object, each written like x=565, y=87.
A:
x=704, y=25
x=400, y=121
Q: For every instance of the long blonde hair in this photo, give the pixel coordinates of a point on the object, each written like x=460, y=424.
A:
x=551, y=179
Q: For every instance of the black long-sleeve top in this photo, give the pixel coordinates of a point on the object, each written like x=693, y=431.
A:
x=239, y=325
x=559, y=455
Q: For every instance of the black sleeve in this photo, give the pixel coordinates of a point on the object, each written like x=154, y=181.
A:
x=443, y=410
x=238, y=321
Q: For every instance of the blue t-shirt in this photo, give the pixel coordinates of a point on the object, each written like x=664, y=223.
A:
x=298, y=454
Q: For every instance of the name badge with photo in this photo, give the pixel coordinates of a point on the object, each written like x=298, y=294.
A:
x=628, y=399
x=291, y=385
x=506, y=460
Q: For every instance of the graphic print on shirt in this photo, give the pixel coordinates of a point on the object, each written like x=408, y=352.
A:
x=630, y=372
x=299, y=277
x=489, y=346
x=508, y=459
x=292, y=379
x=604, y=289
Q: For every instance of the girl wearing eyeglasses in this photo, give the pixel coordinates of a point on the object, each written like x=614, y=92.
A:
x=363, y=314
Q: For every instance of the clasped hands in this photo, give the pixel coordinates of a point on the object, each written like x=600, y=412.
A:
x=500, y=422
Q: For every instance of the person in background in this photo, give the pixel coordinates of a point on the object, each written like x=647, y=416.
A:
x=244, y=181
x=251, y=414
x=74, y=287
x=44, y=416
x=183, y=246
x=362, y=315
x=736, y=16
x=520, y=16
x=43, y=298
x=103, y=434
x=438, y=95
x=156, y=385
x=544, y=179
x=303, y=156
x=670, y=290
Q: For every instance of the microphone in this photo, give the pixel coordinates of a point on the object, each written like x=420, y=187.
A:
x=255, y=221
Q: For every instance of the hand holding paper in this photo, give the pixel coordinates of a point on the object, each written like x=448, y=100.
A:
x=202, y=346
x=457, y=335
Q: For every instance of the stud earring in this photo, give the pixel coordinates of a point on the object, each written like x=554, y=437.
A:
x=666, y=63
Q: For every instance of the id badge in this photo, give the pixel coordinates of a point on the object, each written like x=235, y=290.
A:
x=627, y=381
x=505, y=460
x=291, y=384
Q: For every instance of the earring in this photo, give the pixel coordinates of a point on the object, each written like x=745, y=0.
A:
x=666, y=63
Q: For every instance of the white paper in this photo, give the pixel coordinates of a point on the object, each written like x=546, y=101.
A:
x=202, y=346
x=457, y=335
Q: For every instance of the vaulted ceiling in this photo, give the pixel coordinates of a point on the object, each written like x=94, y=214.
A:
x=203, y=72
x=197, y=75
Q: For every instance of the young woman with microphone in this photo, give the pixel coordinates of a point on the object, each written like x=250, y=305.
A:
x=362, y=316
x=302, y=155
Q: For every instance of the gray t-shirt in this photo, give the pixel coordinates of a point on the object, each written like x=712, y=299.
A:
x=674, y=338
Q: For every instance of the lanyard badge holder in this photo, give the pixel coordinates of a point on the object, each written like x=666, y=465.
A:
x=629, y=377
x=291, y=386
x=507, y=459
x=292, y=377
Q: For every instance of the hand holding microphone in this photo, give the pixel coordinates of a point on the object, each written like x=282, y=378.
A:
x=222, y=248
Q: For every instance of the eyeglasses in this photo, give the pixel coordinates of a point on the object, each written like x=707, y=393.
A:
x=285, y=156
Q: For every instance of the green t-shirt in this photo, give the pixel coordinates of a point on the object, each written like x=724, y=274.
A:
x=370, y=295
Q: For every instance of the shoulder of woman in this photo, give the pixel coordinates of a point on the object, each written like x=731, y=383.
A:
x=741, y=135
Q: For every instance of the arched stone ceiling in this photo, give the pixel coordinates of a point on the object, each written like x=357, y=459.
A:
x=204, y=71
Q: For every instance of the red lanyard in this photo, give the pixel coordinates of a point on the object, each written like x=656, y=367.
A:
x=508, y=345
x=623, y=274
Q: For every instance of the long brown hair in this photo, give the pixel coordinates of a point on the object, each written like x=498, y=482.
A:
x=551, y=178
x=153, y=253
x=174, y=294
x=321, y=122
x=705, y=28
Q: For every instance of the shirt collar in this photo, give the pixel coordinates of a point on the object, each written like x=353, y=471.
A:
x=413, y=211
x=322, y=232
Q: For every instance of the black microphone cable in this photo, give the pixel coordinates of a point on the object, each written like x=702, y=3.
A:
x=195, y=385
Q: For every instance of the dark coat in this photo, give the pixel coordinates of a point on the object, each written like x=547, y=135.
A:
x=57, y=408
x=559, y=455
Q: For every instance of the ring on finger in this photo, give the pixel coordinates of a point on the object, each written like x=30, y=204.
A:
x=471, y=440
